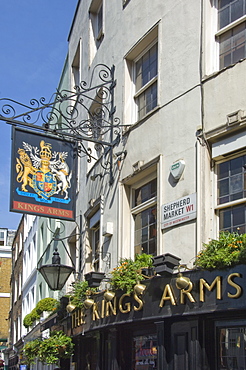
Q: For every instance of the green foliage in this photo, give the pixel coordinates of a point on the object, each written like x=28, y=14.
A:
x=80, y=290
x=30, y=351
x=228, y=250
x=30, y=318
x=46, y=304
x=144, y=260
x=128, y=272
x=49, y=350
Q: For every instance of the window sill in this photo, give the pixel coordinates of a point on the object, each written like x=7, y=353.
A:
x=100, y=36
x=140, y=121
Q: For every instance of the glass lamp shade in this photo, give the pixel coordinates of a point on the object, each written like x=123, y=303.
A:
x=55, y=275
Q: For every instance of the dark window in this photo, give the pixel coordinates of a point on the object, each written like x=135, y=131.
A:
x=232, y=45
x=232, y=42
x=232, y=187
x=146, y=70
x=145, y=218
x=145, y=192
x=145, y=352
x=232, y=348
x=230, y=10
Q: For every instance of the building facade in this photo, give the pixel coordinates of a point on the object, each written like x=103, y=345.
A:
x=6, y=239
x=179, y=177
x=167, y=179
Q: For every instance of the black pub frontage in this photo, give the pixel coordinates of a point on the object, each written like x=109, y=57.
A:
x=202, y=326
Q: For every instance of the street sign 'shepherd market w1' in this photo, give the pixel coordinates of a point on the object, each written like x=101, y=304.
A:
x=43, y=175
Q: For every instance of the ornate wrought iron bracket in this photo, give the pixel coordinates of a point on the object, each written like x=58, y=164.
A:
x=84, y=115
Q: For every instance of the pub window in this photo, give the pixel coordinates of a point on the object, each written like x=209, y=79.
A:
x=145, y=352
x=231, y=190
x=232, y=347
x=144, y=213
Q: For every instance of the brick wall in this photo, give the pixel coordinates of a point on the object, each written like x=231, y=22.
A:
x=5, y=272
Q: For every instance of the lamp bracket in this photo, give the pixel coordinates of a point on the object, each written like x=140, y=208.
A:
x=84, y=114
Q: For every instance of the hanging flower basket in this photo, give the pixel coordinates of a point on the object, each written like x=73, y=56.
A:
x=128, y=273
x=228, y=250
x=49, y=350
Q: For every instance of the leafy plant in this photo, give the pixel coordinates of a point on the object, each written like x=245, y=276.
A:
x=57, y=346
x=46, y=304
x=49, y=350
x=128, y=272
x=30, y=351
x=30, y=318
x=80, y=291
x=228, y=250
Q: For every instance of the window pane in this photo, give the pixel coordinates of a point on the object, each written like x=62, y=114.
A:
x=238, y=216
x=147, y=100
x=236, y=10
x=223, y=3
x=229, y=11
x=224, y=17
x=236, y=165
x=232, y=46
x=138, y=75
x=223, y=170
x=231, y=180
x=223, y=188
x=225, y=219
x=145, y=231
x=231, y=186
x=146, y=68
x=99, y=19
x=236, y=183
x=232, y=344
x=145, y=192
x=233, y=219
x=238, y=43
x=145, y=352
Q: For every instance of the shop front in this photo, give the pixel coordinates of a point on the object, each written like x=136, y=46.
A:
x=201, y=326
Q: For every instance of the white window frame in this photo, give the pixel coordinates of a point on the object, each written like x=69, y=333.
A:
x=135, y=53
x=76, y=67
x=135, y=210
x=150, y=83
x=225, y=29
x=94, y=226
x=229, y=204
x=97, y=35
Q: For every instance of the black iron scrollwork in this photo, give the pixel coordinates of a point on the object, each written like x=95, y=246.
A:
x=83, y=114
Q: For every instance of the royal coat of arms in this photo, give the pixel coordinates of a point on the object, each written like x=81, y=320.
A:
x=43, y=173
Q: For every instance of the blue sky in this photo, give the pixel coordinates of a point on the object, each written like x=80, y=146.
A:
x=33, y=39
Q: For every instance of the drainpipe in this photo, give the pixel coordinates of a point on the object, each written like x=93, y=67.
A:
x=198, y=147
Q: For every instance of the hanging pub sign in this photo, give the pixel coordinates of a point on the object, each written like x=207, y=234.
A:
x=43, y=175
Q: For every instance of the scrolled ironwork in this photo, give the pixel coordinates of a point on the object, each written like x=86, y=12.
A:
x=83, y=114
